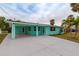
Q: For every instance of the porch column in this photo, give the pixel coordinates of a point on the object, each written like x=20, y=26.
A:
x=36, y=30
x=13, y=31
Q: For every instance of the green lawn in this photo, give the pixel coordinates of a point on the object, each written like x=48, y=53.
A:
x=2, y=36
x=69, y=36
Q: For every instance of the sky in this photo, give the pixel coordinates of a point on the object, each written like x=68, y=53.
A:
x=36, y=12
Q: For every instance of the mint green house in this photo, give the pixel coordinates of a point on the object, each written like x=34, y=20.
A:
x=34, y=29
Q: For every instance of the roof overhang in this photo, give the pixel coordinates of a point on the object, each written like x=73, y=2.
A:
x=27, y=23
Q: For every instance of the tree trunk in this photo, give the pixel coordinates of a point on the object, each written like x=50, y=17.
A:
x=76, y=31
x=0, y=31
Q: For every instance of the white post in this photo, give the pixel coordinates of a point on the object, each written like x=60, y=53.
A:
x=36, y=30
x=13, y=31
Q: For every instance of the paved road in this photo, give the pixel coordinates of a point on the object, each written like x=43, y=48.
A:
x=38, y=46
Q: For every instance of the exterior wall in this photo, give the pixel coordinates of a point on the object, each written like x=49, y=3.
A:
x=48, y=32
x=19, y=30
x=31, y=32
x=41, y=31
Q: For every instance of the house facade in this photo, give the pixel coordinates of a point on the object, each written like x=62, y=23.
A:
x=34, y=29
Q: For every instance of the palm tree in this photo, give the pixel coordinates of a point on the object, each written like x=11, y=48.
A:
x=52, y=22
x=64, y=25
x=75, y=8
x=76, y=23
x=70, y=21
x=67, y=23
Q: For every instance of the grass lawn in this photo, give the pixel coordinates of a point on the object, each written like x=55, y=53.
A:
x=69, y=36
x=2, y=36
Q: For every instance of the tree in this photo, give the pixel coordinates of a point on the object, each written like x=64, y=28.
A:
x=70, y=21
x=64, y=24
x=52, y=22
x=2, y=23
x=4, y=26
x=67, y=23
x=75, y=7
x=76, y=23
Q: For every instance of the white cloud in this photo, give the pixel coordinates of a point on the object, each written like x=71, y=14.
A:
x=44, y=13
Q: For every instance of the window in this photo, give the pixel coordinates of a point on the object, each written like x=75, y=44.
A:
x=61, y=29
x=52, y=28
x=23, y=29
x=29, y=28
x=38, y=28
x=34, y=28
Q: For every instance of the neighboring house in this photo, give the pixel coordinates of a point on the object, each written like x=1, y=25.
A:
x=34, y=29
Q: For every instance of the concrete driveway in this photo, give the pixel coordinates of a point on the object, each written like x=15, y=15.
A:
x=38, y=46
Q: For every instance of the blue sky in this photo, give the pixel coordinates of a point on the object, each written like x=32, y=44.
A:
x=36, y=12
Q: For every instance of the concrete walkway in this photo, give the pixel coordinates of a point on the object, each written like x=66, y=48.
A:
x=38, y=46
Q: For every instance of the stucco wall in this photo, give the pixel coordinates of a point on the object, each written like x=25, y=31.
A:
x=26, y=30
x=48, y=32
x=19, y=30
x=41, y=31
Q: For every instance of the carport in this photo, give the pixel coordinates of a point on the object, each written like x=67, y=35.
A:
x=24, y=29
x=27, y=29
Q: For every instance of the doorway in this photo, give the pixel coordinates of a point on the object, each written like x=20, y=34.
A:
x=43, y=30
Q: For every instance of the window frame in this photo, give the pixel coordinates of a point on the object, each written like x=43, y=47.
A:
x=34, y=28
x=52, y=28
